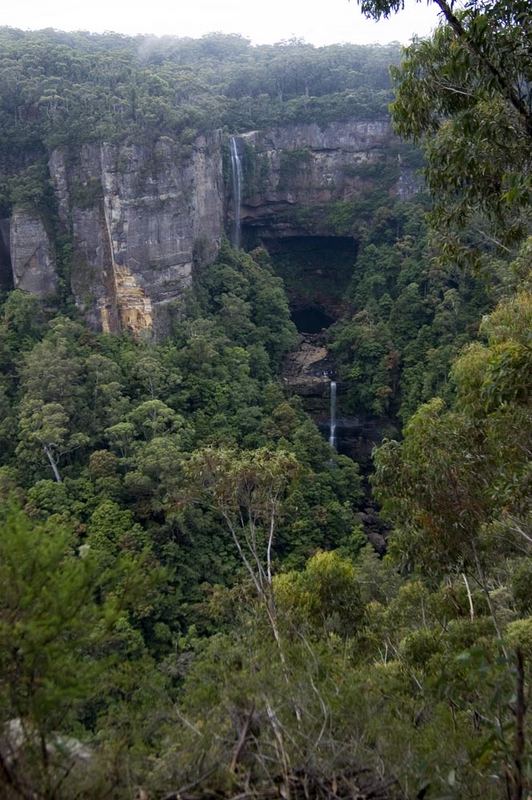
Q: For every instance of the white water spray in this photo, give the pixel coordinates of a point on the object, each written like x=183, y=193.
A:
x=332, y=418
x=236, y=181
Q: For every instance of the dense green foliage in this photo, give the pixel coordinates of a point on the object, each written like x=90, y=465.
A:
x=190, y=606
x=60, y=88
x=69, y=88
x=409, y=315
x=467, y=92
x=113, y=421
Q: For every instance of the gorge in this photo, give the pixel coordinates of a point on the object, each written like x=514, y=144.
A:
x=138, y=222
x=265, y=415
x=138, y=219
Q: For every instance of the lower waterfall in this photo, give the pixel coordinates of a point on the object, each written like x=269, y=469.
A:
x=332, y=418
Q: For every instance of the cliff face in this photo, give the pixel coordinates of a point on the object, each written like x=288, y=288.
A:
x=137, y=219
x=6, y=272
x=291, y=173
x=32, y=255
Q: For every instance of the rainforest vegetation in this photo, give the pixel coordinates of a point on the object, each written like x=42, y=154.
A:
x=190, y=606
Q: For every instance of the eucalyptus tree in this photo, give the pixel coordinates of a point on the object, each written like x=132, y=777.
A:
x=466, y=93
x=247, y=489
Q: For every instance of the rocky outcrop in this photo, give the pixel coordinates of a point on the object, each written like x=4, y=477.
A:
x=31, y=254
x=139, y=219
x=306, y=369
x=292, y=172
x=25, y=753
x=132, y=221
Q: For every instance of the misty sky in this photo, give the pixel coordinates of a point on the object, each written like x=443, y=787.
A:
x=316, y=21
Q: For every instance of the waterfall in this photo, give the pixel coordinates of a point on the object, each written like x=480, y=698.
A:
x=236, y=182
x=332, y=419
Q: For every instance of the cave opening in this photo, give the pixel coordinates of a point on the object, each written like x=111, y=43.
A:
x=311, y=319
x=316, y=271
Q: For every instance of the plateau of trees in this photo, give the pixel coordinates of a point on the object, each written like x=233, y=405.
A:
x=60, y=88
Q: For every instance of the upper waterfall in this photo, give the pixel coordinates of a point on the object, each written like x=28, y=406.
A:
x=236, y=183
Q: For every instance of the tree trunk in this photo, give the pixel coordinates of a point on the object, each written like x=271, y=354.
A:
x=518, y=787
x=53, y=463
x=505, y=85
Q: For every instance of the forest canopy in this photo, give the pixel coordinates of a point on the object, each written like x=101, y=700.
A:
x=193, y=607
x=64, y=88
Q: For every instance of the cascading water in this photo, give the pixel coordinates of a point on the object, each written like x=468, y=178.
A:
x=236, y=180
x=332, y=418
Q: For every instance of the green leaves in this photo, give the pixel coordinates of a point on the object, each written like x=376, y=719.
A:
x=463, y=94
x=48, y=618
x=324, y=598
x=461, y=469
x=65, y=89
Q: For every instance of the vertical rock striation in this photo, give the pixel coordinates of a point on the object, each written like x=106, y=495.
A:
x=293, y=172
x=130, y=221
x=139, y=219
x=6, y=270
x=31, y=254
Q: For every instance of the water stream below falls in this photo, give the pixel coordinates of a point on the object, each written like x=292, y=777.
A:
x=332, y=417
x=236, y=183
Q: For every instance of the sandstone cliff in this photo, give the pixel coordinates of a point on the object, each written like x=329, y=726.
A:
x=32, y=254
x=292, y=173
x=137, y=219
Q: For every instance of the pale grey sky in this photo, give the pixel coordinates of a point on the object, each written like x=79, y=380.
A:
x=316, y=21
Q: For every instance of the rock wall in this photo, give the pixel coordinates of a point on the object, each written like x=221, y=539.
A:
x=292, y=172
x=307, y=371
x=32, y=254
x=134, y=220
x=6, y=271
x=139, y=219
